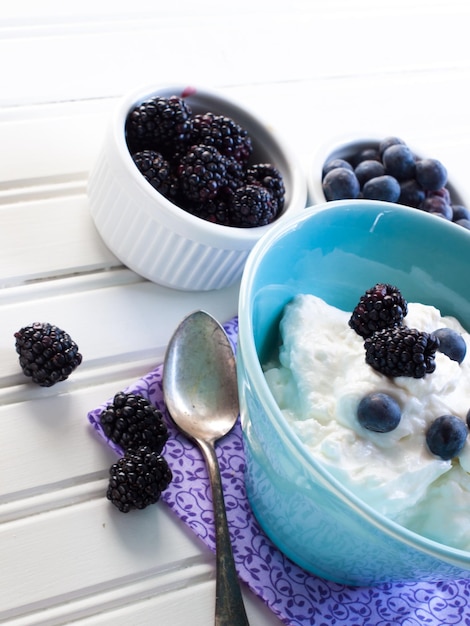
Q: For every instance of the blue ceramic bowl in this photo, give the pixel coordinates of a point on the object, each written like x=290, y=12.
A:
x=334, y=251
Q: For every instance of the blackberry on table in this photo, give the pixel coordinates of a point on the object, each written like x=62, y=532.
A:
x=132, y=421
x=159, y=123
x=381, y=306
x=252, y=205
x=202, y=173
x=47, y=354
x=222, y=133
x=138, y=479
x=402, y=351
x=270, y=178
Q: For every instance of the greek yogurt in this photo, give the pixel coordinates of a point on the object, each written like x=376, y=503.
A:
x=318, y=383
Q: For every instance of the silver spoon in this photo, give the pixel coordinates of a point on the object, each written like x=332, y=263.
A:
x=200, y=393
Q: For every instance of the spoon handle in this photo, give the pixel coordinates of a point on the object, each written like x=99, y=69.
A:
x=229, y=607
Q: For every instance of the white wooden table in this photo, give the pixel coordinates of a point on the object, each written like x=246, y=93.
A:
x=315, y=70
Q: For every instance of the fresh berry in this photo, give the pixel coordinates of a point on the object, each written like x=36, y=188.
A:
x=385, y=188
x=132, y=421
x=437, y=205
x=446, y=436
x=235, y=178
x=155, y=169
x=387, y=142
x=138, y=479
x=367, y=154
x=379, y=412
x=47, y=354
x=222, y=133
x=270, y=178
x=460, y=212
x=451, y=343
x=202, y=173
x=251, y=206
x=431, y=174
x=368, y=169
x=333, y=164
x=402, y=351
x=340, y=184
x=215, y=211
x=411, y=193
x=399, y=162
x=381, y=306
x=159, y=123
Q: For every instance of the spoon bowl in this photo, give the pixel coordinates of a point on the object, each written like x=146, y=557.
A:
x=201, y=395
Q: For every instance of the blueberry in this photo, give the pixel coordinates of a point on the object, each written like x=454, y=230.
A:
x=341, y=184
x=411, y=193
x=378, y=412
x=389, y=141
x=460, y=212
x=464, y=223
x=443, y=192
x=451, y=343
x=384, y=188
x=399, y=161
x=332, y=164
x=437, y=204
x=368, y=154
x=368, y=169
x=446, y=436
x=431, y=174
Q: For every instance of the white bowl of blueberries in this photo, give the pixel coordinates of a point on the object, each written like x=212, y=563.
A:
x=386, y=169
x=186, y=182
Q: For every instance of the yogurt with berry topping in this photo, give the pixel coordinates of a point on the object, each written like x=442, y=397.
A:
x=318, y=383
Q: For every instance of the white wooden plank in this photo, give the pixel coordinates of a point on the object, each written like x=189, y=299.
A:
x=317, y=41
x=54, y=233
x=110, y=323
x=90, y=569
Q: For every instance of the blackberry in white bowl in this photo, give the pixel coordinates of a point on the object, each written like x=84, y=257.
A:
x=168, y=193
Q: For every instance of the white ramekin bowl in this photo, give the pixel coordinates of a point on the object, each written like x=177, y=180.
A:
x=159, y=240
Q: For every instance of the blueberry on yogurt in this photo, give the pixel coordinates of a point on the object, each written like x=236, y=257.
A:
x=379, y=412
x=451, y=344
x=446, y=436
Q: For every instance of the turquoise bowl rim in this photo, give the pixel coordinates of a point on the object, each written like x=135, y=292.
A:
x=252, y=366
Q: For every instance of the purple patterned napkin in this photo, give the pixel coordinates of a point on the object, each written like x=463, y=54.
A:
x=295, y=596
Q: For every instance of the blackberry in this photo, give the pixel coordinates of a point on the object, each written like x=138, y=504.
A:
x=270, y=178
x=159, y=123
x=138, y=479
x=222, y=133
x=235, y=177
x=252, y=205
x=155, y=169
x=47, y=354
x=132, y=421
x=402, y=351
x=215, y=211
x=382, y=306
x=202, y=173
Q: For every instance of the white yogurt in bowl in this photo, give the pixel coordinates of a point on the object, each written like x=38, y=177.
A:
x=318, y=383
